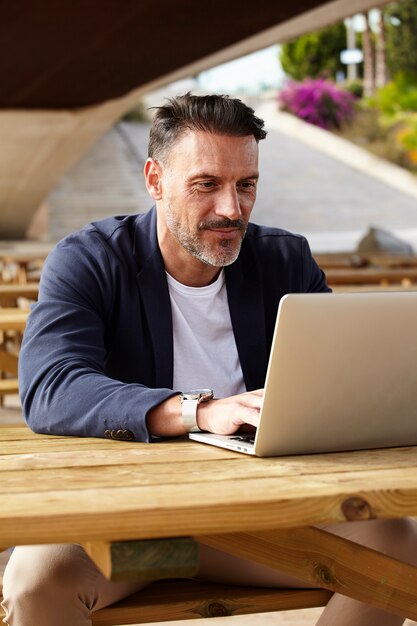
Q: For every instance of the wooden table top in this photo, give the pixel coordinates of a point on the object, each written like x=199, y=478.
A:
x=65, y=489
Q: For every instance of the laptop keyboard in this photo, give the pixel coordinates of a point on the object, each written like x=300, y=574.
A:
x=244, y=438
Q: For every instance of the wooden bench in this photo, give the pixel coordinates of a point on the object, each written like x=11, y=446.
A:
x=20, y=267
x=181, y=600
x=11, y=294
x=359, y=259
x=187, y=599
x=8, y=386
x=372, y=276
x=12, y=325
x=376, y=270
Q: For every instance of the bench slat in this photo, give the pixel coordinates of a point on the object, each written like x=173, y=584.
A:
x=9, y=385
x=180, y=600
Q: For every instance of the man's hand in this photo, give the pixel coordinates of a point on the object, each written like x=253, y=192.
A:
x=226, y=416
x=222, y=417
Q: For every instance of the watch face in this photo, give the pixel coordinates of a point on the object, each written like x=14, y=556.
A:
x=197, y=394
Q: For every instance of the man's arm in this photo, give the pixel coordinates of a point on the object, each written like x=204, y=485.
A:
x=62, y=375
x=222, y=417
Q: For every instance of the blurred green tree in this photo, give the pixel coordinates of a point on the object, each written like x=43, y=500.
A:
x=401, y=37
x=316, y=54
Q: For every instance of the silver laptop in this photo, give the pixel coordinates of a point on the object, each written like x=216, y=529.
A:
x=342, y=375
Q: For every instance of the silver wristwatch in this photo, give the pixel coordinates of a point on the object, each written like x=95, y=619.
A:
x=189, y=401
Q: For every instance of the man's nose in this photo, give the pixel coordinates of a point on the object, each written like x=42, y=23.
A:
x=228, y=204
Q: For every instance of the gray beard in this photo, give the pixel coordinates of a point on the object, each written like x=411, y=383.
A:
x=226, y=252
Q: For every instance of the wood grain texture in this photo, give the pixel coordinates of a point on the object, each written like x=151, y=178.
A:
x=10, y=293
x=157, y=559
x=64, y=489
x=342, y=276
x=181, y=600
x=15, y=320
x=326, y=560
x=9, y=386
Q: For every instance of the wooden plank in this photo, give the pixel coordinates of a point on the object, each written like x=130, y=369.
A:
x=372, y=288
x=119, y=456
x=23, y=433
x=13, y=321
x=14, y=443
x=177, y=488
x=275, y=492
x=146, y=561
x=355, y=260
x=61, y=443
x=126, y=453
x=10, y=293
x=9, y=386
x=370, y=275
x=123, y=513
x=181, y=600
x=73, y=471
x=321, y=558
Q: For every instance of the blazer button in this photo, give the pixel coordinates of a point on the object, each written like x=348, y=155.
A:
x=120, y=434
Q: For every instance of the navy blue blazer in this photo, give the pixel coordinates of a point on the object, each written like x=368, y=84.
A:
x=97, y=353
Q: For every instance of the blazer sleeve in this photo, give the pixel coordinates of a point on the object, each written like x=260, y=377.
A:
x=63, y=385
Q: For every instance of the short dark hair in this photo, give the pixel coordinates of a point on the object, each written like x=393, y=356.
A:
x=218, y=114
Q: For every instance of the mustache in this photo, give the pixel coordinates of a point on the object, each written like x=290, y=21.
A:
x=224, y=223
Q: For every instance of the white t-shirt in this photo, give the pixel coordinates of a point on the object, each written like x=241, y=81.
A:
x=205, y=353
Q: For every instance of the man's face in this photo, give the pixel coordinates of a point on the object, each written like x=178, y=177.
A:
x=207, y=192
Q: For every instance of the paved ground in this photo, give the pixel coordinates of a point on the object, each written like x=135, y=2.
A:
x=306, y=191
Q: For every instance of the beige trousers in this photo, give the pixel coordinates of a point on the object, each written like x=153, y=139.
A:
x=51, y=585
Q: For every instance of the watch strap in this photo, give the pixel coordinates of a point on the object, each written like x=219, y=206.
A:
x=189, y=415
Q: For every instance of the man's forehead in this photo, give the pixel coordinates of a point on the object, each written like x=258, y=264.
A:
x=205, y=147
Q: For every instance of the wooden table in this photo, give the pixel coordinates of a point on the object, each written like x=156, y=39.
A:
x=101, y=493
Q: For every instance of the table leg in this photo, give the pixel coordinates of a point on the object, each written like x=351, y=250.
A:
x=155, y=559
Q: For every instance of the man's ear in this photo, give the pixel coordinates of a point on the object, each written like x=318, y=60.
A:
x=153, y=178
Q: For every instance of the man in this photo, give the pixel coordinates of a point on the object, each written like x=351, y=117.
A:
x=136, y=313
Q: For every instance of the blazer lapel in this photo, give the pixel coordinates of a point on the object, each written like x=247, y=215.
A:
x=247, y=312
x=154, y=296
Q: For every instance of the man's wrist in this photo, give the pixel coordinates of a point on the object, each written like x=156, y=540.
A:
x=190, y=403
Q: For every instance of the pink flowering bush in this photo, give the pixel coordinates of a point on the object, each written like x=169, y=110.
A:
x=319, y=102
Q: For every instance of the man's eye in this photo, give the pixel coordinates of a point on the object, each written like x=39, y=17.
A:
x=247, y=185
x=207, y=184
